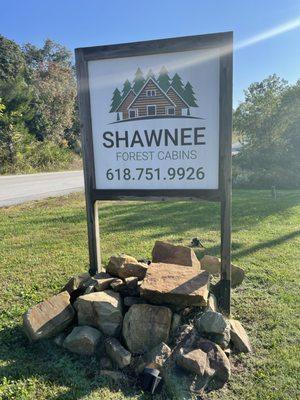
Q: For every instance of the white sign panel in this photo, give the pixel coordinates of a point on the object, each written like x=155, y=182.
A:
x=155, y=120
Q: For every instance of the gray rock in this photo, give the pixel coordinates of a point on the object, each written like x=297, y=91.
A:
x=170, y=254
x=102, y=281
x=195, y=361
x=145, y=326
x=48, y=318
x=131, y=300
x=125, y=267
x=155, y=358
x=215, y=326
x=117, y=352
x=212, y=322
x=102, y=310
x=239, y=337
x=82, y=340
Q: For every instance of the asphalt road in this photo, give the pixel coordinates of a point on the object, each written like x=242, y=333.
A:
x=16, y=189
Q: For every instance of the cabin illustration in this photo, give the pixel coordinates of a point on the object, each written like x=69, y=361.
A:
x=153, y=98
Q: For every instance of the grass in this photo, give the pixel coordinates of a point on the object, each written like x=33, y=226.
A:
x=43, y=243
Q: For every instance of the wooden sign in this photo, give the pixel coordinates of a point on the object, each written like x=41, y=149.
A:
x=156, y=122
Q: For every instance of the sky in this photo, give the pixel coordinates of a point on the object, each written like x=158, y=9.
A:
x=266, y=32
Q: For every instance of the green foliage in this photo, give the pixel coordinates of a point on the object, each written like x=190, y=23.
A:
x=268, y=125
x=12, y=60
x=38, y=90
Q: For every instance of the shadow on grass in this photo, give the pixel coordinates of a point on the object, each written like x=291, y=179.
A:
x=54, y=366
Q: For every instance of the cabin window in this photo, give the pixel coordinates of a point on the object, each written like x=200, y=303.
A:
x=151, y=93
x=170, y=111
x=151, y=110
x=133, y=113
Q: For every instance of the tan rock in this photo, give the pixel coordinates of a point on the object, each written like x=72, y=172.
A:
x=102, y=281
x=102, y=310
x=126, y=287
x=126, y=267
x=170, y=254
x=117, y=353
x=145, y=326
x=82, y=340
x=195, y=361
x=48, y=318
x=174, y=284
x=239, y=337
x=212, y=265
x=212, y=304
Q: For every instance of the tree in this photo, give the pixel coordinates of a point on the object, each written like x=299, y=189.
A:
x=268, y=124
x=189, y=95
x=138, y=81
x=126, y=88
x=116, y=100
x=164, y=79
x=12, y=60
x=52, y=79
x=177, y=84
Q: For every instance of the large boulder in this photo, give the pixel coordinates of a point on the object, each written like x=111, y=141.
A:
x=83, y=340
x=126, y=267
x=49, y=317
x=212, y=265
x=170, y=254
x=239, y=337
x=175, y=284
x=215, y=327
x=102, y=310
x=145, y=326
x=117, y=353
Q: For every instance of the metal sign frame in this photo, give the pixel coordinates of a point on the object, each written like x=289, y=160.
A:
x=223, y=41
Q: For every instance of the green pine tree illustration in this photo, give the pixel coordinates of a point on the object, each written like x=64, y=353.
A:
x=189, y=95
x=126, y=88
x=138, y=80
x=116, y=100
x=164, y=79
x=150, y=74
x=177, y=84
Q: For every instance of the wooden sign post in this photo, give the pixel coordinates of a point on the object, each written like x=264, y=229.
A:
x=156, y=122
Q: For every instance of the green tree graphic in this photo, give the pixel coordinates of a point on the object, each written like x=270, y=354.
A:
x=126, y=88
x=138, y=80
x=116, y=100
x=164, y=79
x=178, y=85
x=189, y=95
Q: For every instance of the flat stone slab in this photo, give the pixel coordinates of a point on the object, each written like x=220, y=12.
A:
x=175, y=284
x=49, y=317
x=169, y=253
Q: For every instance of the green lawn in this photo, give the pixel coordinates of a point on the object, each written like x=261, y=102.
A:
x=43, y=243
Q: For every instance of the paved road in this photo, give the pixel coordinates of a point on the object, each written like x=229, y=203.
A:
x=16, y=189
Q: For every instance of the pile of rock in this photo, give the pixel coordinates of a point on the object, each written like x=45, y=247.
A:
x=157, y=314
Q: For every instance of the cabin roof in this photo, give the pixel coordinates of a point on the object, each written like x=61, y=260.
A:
x=181, y=98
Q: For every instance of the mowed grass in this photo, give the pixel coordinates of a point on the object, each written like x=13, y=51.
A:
x=43, y=243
